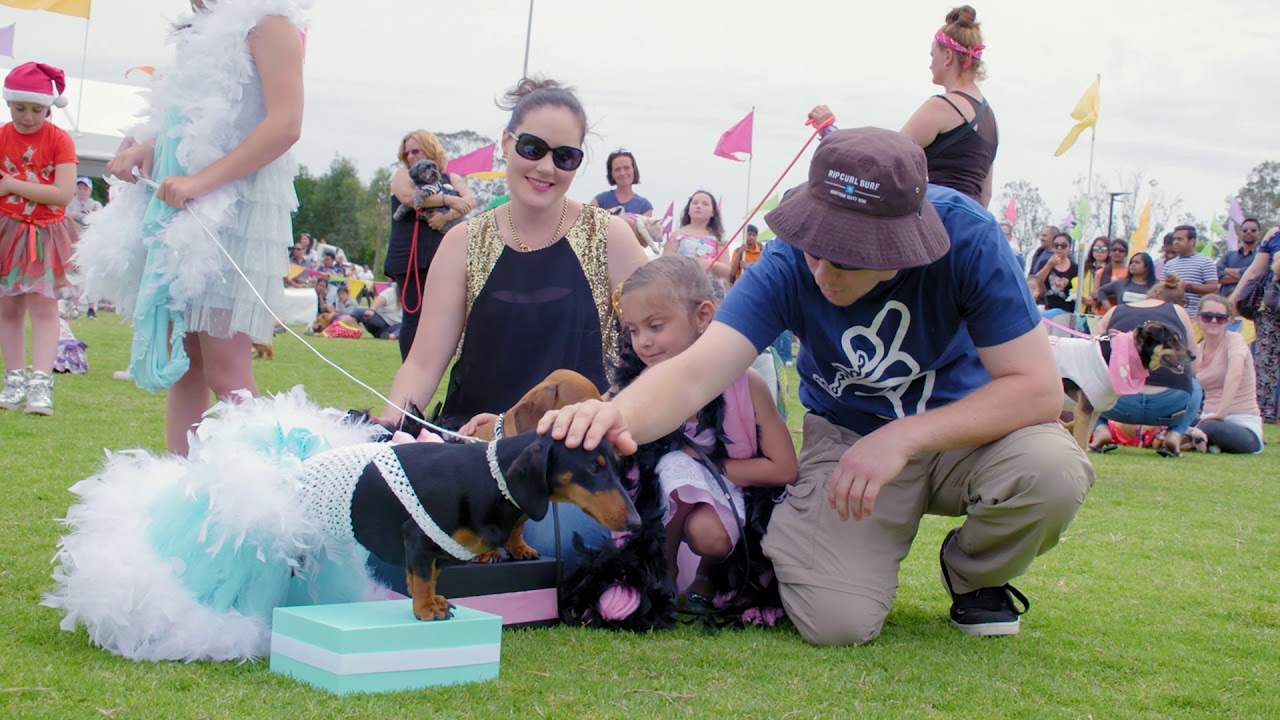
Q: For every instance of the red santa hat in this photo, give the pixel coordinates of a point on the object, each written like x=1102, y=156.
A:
x=36, y=83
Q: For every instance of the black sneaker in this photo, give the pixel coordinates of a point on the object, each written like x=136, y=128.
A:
x=985, y=612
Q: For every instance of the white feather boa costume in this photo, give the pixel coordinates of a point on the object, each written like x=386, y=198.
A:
x=204, y=83
x=171, y=558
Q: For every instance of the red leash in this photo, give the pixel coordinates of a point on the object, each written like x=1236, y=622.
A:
x=817, y=131
x=413, y=271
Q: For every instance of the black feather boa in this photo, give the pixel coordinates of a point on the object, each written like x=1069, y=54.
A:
x=745, y=586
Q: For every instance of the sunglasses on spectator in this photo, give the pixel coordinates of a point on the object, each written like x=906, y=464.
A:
x=1119, y=250
x=534, y=148
x=1213, y=318
x=1249, y=229
x=1061, y=245
x=1100, y=248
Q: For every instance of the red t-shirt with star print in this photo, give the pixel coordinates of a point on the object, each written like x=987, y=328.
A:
x=33, y=158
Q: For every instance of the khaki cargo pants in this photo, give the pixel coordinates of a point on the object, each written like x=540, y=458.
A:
x=838, y=579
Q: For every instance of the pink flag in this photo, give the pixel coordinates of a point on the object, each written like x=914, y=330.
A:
x=1011, y=212
x=1233, y=240
x=671, y=209
x=736, y=139
x=1234, y=212
x=473, y=162
x=6, y=40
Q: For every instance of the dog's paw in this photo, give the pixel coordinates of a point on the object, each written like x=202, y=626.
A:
x=492, y=556
x=434, y=608
x=522, y=552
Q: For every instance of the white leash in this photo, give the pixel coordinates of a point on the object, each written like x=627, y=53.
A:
x=137, y=172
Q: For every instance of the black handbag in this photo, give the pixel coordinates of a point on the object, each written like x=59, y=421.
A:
x=1252, y=297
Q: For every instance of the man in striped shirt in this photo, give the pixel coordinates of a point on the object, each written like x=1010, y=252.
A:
x=1198, y=273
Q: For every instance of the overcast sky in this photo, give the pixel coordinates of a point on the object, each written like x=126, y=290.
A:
x=1188, y=89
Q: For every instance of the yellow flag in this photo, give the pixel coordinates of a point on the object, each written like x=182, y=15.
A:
x=1085, y=115
x=75, y=8
x=1138, y=241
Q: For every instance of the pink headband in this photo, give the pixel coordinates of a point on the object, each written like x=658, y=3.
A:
x=945, y=41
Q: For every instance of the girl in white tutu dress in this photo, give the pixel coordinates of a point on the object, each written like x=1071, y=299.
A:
x=665, y=306
x=220, y=121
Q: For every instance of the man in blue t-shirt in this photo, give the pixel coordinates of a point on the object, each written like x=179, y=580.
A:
x=929, y=381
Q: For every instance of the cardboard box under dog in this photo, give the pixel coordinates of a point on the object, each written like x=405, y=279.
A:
x=380, y=646
x=522, y=592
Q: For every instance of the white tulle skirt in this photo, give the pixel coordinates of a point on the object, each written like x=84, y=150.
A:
x=172, y=558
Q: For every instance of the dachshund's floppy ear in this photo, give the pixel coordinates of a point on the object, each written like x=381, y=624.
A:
x=532, y=407
x=527, y=478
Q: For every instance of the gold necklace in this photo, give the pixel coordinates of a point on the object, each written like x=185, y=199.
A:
x=511, y=222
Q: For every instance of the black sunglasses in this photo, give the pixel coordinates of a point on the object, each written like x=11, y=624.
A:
x=1061, y=245
x=1248, y=230
x=1213, y=318
x=534, y=148
x=1100, y=248
x=1119, y=249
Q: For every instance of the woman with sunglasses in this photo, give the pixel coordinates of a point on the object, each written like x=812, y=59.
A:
x=1057, y=276
x=524, y=289
x=1094, y=265
x=1116, y=266
x=416, y=237
x=957, y=129
x=1169, y=398
x=1231, y=422
x=700, y=235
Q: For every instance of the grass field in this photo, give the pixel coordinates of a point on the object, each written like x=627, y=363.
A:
x=1163, y=600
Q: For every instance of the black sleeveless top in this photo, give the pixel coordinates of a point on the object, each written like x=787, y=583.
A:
x=1128, y=317
x=961, y=157
x=398, y=251
x=535, y=314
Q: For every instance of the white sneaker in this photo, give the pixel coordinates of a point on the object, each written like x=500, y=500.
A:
x=122, y=375
x=14, y=395
x=39, y=394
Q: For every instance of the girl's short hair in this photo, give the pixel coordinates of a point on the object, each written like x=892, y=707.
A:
x=682, y=277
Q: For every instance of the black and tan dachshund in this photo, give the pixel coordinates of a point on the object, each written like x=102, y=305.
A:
x=457, y=489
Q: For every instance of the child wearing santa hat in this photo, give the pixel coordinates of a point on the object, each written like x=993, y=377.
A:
x=37, y=180
x=216, y=139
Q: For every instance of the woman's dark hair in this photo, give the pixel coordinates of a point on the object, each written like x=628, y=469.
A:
x=1171, y=290
x=1149, y=265
x=714, y=224
x=533, y=93
x=608, y=166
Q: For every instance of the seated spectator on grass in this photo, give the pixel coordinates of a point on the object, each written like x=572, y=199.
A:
x=309, y=249
x=383, y=318
x=346, y=304
x=1231, y=421
x=1168, y=398
x=326, y=296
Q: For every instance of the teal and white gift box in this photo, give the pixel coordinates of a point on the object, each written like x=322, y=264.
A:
x=381, y=647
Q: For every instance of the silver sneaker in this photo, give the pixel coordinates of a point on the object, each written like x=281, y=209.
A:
x=39, y=394
x=14, y=395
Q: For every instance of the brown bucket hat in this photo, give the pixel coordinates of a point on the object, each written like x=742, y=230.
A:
x=864, y=205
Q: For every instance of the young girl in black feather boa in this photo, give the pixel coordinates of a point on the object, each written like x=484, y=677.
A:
x=704, y=492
